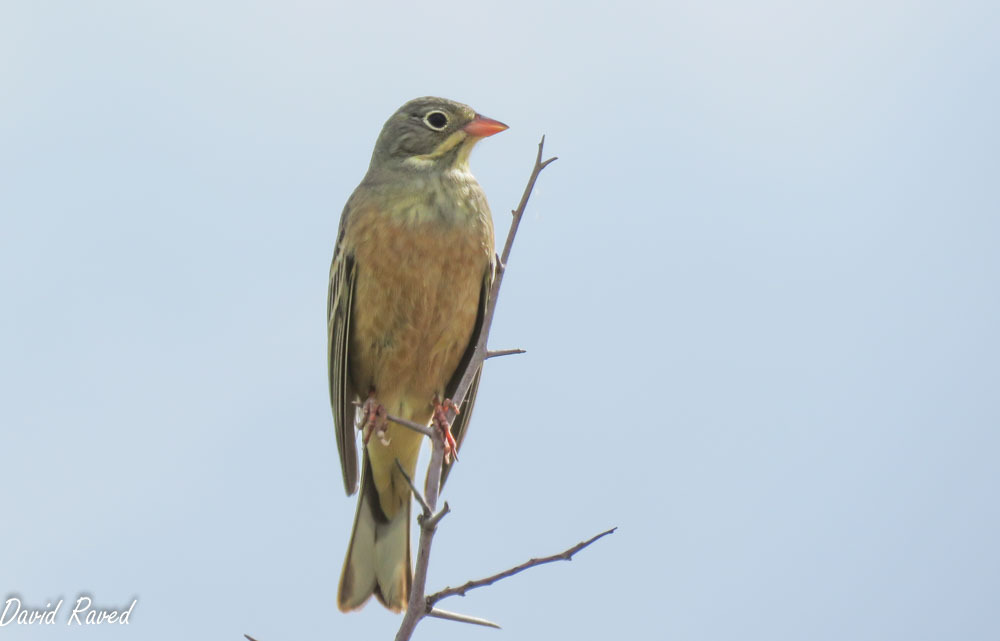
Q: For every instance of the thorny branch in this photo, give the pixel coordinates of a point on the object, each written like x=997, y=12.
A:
x=417, y=607
x=420, y=606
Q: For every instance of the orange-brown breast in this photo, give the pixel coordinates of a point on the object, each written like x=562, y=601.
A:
x=415, y=303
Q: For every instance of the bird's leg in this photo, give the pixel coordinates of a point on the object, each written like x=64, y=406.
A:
x=440, y=421
x=374, y=420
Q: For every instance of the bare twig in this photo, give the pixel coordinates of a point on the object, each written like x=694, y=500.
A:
x=420, y=497
x=491, y=304
x=462, y=618
x=417, y=607
x=416, y=427
x=503, y=352
x=566, y=555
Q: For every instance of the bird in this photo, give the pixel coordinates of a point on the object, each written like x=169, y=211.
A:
x=410, y=277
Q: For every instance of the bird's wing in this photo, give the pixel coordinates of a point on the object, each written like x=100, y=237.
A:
x=459, y=427
x=342, y=393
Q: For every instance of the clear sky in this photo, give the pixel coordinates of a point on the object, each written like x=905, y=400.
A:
x=760, y=294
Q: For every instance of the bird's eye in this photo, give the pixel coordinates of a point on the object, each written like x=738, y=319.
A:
x=436, y=120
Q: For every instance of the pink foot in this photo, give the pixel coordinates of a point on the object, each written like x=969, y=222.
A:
x=440, y=421
x=374, y=420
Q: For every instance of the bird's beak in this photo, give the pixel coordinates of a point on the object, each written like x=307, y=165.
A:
x=481, y=127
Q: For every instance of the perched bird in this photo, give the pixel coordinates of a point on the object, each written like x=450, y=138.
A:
x=412, y=267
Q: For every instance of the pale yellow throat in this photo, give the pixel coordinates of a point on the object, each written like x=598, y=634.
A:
x=461, y=162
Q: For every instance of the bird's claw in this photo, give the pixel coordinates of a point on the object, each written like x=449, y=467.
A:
x=375, y=420
x=440, y=421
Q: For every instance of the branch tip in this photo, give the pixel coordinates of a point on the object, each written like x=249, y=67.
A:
x=503, y=352
x=461, y=618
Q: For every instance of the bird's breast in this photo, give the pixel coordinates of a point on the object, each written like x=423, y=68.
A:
x=417, y=294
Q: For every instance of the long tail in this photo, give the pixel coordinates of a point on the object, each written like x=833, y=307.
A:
x=378, y=558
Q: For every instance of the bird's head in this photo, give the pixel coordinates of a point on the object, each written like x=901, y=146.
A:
x=431, y=133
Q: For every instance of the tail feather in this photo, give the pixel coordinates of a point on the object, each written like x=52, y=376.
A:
x=378, y=557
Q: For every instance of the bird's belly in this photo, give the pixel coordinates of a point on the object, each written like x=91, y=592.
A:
x=415, y=305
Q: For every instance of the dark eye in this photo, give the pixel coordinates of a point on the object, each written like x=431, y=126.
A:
x=436, y=120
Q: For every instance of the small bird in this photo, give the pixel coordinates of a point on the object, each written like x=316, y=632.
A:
x=411, y=272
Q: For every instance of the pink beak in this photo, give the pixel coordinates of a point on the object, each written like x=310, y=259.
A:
x=481, y=127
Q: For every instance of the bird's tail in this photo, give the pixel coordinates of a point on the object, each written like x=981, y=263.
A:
x=378, y=558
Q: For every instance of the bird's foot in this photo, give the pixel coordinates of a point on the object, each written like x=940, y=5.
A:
x=374, y=421
x=440, y=421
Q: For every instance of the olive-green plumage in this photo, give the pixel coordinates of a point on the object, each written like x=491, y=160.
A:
x=408, y=283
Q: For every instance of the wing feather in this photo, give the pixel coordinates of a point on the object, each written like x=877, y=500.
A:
x=342, y=392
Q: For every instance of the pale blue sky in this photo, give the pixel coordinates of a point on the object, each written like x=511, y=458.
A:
x=760, y=294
